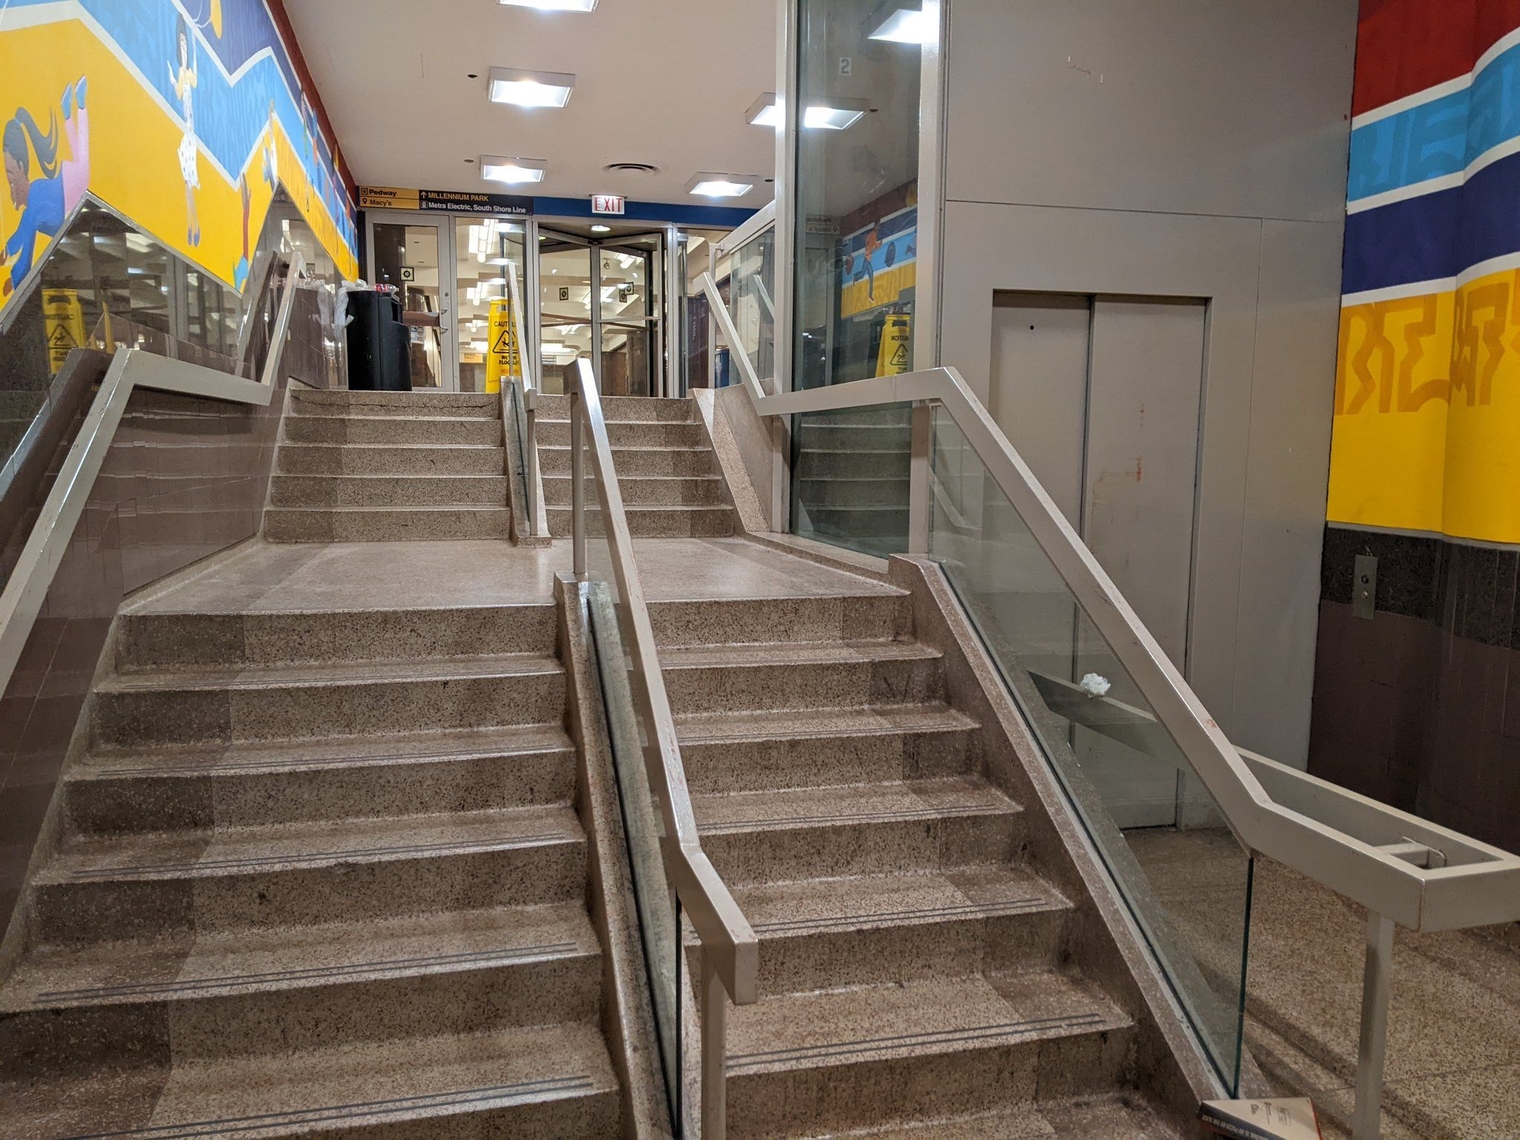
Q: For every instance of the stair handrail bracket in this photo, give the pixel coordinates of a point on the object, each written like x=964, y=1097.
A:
x=730, y=949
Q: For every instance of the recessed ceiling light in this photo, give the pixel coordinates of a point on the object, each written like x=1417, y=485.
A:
x=710, y=185
x=825, y=115
x=906, y=26
x=529, y=88
x=553, y=5
x=512, y=171
x=601, y=229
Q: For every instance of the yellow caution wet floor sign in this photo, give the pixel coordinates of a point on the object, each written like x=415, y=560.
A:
x=65, y=324
x=896, y=354
x=502, y=359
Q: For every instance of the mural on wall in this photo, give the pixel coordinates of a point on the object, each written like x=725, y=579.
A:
x=1427, y=398
x=182, y=116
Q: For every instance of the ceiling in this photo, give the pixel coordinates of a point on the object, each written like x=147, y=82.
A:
x=659, y=81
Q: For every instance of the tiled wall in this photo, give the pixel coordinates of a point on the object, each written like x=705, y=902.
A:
x=183, y=478
x=1420, y=706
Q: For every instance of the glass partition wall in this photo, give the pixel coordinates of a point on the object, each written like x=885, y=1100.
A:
x=855, y=235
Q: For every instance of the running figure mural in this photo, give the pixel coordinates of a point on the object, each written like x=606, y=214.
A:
x=46, y=202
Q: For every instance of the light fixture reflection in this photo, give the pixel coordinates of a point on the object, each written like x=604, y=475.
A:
x=906, y=26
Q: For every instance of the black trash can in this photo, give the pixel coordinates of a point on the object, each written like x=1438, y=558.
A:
x=378, y=358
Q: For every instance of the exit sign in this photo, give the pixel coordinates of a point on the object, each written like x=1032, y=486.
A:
x=607, y=203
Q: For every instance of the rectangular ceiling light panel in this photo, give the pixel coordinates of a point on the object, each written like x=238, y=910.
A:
x=830, y=115
x=529, y=88
x=710, y=185
x=906, y=26
x=554, y=5
x=512, y=171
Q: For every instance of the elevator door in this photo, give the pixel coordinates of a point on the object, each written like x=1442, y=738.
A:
x=1102, y=397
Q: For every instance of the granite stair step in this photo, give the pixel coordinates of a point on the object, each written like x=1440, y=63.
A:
x=617, y=409
x=120, y=887
x=645, y=490
x=804, y=1064
x=389, y=459
x=881, y=615
x=431, y=429
x=536, y=1083
x=833, y=832
x=874, y=929
x=461, y=405
x=168, y=788
x=1084, y=1118
x=636, y=461
x=630, y=433
x=651, y=522
x=813, y=675
x=314, y=700
x=173, y=999
x=382, y=524
x=164, y=639
x=768, y=749
x=388, y=490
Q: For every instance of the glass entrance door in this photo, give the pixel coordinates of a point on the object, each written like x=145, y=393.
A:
x=603, y=299
x=415, y=253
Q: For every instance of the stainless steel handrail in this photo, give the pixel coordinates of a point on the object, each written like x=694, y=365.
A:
x=1401, y=868
x=131, y=368
x=730, y=951
x=535, y=510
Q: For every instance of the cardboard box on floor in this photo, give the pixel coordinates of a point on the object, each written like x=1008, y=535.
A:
x=1288, y=1118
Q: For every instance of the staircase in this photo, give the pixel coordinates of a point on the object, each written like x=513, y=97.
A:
x=669, y=479
x=917, y=974
x=382, y=466
x=320, y=873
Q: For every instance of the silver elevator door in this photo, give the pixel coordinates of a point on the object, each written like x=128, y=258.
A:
x=1102, y=397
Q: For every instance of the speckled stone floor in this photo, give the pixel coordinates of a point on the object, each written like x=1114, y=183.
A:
x=1453, y=1064
x=274, y=577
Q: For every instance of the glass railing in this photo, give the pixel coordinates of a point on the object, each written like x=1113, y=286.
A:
x=850, y=473
x=751, y=304
x=1152, y=821
x=103, y=283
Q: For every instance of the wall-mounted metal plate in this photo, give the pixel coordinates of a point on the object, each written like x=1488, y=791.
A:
x=1364, y=587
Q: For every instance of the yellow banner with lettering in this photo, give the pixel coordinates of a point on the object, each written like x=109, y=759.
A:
x=1427, y=412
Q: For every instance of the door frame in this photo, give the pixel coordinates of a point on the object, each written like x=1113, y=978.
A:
x=448, y=280
x=659, y=315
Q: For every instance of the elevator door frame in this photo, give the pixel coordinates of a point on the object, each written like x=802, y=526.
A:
x=658, y=276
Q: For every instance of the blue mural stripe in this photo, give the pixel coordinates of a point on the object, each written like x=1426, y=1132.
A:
x=1440, y=137
x=1435, y=236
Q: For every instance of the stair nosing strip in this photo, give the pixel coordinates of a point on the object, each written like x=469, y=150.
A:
x=365, y=760
x=835, y=1051
x=864, y=817
x=548, y=951
x=231, y=866
x=967, y=910
x=357, y=1110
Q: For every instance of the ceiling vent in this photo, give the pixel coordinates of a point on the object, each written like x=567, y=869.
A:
x=631, y=168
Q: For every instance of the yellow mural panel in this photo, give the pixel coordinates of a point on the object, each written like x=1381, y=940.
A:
x=1427, y=413
x=1387, y=449
x=127, y=147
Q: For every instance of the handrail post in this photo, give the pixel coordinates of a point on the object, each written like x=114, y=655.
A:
x=1367, y=1122
x=918, y=478
x=714, y=1052
x=577, y=486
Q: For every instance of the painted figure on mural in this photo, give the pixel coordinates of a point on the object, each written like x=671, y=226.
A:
x=45, y=202
x=184, y=82
x=873, y=243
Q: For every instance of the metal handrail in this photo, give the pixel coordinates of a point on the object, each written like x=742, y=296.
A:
x=1401, y=868
x=730, y=950
x=535, y=511
x=131, y=368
